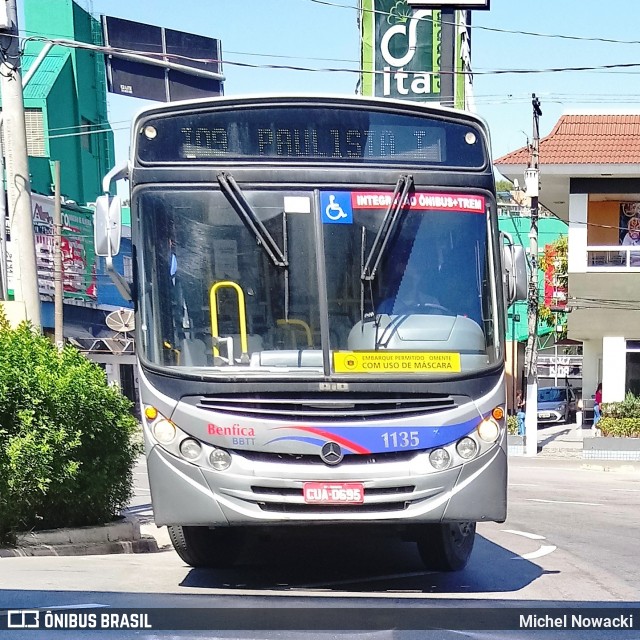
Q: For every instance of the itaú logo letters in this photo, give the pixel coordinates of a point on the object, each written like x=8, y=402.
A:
x=421, y=82
x=401, y=29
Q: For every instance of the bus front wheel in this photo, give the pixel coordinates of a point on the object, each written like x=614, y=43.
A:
x=447, y=546
x=204, y=547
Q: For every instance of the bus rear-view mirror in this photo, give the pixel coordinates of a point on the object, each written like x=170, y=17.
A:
x=107, y=225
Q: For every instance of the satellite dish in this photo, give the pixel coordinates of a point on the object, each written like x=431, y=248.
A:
x=122, y=320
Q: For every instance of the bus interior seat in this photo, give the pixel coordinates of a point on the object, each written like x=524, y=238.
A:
x=195, y=353
x=290, y=358
x=254, y=344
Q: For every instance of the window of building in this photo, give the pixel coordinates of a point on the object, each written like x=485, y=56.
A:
x=87, y=135
x=34, y=123
x=632, y=382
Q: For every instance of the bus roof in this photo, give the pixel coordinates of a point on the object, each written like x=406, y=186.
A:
x=428, y=108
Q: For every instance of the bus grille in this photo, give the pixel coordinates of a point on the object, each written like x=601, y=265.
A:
x=267, y=500
x=327, y=407
x=306, y=459
x=281, y=507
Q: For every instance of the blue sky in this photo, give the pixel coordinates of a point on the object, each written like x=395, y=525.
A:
x=311, y=34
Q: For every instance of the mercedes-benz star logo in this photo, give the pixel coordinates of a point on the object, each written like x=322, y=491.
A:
x=331, y=453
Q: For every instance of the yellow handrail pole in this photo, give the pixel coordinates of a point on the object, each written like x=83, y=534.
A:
x=299, y=323
x=169, y=346
x=242, y=314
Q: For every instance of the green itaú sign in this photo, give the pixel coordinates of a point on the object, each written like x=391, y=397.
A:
x=400, y=54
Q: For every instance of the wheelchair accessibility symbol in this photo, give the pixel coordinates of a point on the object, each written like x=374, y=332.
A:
x=336, y=207
x=333, y=210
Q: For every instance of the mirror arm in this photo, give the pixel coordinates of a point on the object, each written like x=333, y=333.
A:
x=118, y=172
x=121, y=284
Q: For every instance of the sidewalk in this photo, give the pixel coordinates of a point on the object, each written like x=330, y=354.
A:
x=562, y=440
x=565, y=441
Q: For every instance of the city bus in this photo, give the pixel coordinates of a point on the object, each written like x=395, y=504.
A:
x=320, y=290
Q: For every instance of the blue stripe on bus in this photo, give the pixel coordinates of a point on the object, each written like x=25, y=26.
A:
x=379, y=439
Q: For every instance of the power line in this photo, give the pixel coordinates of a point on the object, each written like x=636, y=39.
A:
x=477, y=72
x=559, y=36
x=480, y=27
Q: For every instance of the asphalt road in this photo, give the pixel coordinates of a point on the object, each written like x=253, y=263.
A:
x=570, y=539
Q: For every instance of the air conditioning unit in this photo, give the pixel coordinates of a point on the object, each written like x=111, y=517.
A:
x=5, y=24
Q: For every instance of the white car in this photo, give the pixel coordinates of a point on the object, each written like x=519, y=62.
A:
x=556, y=405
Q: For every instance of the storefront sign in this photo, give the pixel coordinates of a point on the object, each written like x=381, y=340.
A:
x=78, y=258
x=400, y=50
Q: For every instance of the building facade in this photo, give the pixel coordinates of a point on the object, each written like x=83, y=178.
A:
x=514, y=219
x=589, y=165
x=66, y=119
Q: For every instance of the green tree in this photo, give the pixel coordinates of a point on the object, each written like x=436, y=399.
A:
x=67, y=438
x=504, y=185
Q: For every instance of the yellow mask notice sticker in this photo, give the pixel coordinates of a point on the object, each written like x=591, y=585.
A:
x=395, y=362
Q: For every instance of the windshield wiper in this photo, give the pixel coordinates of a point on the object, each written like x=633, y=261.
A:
x=236, y=199
x=404, y=184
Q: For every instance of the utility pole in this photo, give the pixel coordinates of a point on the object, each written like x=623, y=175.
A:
x=58, y=291
x=532, y=181
x=25, y=272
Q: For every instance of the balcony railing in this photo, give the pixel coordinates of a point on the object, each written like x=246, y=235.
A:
x=607, y=257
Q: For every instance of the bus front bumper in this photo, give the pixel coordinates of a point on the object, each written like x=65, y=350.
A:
x=271, y=493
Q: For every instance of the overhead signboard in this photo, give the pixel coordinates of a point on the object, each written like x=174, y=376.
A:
x=411, y=52
x=400, y=51
x=161, y=64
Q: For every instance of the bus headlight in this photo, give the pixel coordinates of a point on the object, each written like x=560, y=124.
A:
x=488, y=430
x=466, y=448
x=439, y=459
x=190, y=449
x=220, y=459
x=164, y=431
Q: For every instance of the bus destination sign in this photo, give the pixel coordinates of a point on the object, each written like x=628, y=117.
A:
x=309, y=134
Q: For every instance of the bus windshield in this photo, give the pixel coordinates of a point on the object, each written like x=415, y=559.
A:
x=229, y=289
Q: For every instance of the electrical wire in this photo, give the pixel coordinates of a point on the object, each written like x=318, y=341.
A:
x=180, y=58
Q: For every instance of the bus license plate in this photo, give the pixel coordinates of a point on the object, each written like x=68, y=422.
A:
x=333, y=492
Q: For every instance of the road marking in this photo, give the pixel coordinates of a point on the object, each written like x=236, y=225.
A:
x=525, y=534
x=630, y=490
x=586, y=504
x=544, y=550
x=536, y=468
x=517, y=484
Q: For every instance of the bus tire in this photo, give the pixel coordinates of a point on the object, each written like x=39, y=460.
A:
x=447, y=546
x=205, y=547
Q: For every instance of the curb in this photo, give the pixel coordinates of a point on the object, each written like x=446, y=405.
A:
x=123, y=536
x=621, y=466
x=159, y=534
x=590, y=464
